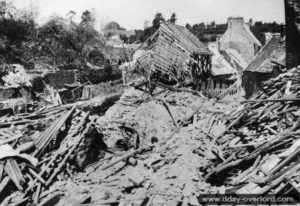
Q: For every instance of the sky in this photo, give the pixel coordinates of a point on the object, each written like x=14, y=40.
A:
x=131, y=14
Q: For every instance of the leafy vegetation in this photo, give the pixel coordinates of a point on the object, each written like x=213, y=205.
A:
x=59, y=42
x=209, y=31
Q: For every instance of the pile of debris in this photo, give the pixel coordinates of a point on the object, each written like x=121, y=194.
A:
x=151, y=156
x=259, y=149
x=166, y=146
x=39, y=148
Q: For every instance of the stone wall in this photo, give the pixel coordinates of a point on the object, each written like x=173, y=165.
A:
x=236, y=37
x=60, y=78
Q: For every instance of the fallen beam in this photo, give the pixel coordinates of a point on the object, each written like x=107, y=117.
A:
x=271, y=100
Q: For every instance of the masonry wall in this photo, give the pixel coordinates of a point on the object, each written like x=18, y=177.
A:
x=60, y=78
x=237, y=38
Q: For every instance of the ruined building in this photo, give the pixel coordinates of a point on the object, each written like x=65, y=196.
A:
x=173, y=55
x=239, y=37
x=269, y=62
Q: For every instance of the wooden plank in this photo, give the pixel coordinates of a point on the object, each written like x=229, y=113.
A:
x=271, y=100
x=42, y=142
x=12, y=169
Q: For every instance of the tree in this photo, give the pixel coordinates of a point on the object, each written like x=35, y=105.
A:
x=173, y=18
x=70, y=15
x=87, y=19
x=7, y=10
x=112, y=26
x=258, y=23
x=156, y=21
x=250, y=21
x=16, y=25
x=148, y=32
x=213, y=38
x=69, y=43
x=124, y=38
x=188, y=26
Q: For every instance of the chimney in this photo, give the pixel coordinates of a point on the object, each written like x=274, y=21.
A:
x=235, y=22
x=247, y=25
x=268, y=36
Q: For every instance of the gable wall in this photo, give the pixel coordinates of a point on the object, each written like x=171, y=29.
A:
x=237, y=38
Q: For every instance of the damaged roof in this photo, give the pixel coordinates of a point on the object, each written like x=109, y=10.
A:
x=186, y=37
x=220, y=66
x=170, y=50
x=273, y=51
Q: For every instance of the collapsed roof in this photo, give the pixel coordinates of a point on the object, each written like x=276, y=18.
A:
x=235, y=59
x=171, y=50
x=272, y=53
x=220, y=66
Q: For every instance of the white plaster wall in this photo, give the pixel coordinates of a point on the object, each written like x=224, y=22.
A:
x=237, y=38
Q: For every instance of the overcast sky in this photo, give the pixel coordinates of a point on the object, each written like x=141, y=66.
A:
x=132, y=14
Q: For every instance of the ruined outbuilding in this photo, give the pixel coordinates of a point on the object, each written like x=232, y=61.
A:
x=173, y=55
x=239, y=37
x=269, y=62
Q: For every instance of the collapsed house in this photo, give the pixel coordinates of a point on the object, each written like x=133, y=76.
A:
x=173, y=55
x=269, y=62
x=239, y=37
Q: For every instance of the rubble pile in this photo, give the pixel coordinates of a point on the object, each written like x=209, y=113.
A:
x=164, y=128
x=259, y=149
x=164, y=147
x=40, y=148
x=152, y=154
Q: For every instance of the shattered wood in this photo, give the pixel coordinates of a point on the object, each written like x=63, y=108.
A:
x=165, y=148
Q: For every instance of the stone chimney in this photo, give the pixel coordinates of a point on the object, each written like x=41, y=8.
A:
x=268, y=36
x=235, y=22
x=247, y=25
